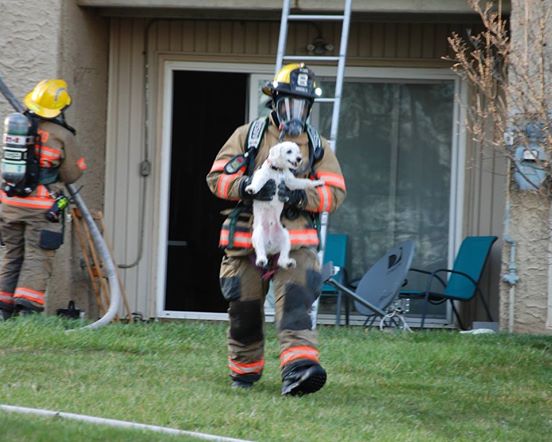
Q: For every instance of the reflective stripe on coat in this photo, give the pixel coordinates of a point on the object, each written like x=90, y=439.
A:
x=326, y=198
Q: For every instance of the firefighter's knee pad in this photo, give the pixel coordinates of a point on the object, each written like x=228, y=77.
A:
x=314, y=283
x=230, y=280
x=246, y=321
x=298, y=300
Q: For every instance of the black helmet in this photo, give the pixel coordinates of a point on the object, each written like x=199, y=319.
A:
x=293, y=91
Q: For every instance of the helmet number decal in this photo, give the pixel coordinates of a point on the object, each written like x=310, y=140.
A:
x=303, y=80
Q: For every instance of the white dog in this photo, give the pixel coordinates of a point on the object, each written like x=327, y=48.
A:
x=269, y=235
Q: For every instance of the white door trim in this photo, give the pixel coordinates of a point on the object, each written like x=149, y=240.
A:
x=164, y=181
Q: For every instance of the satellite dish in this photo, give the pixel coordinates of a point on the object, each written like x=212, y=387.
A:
x=381, y=284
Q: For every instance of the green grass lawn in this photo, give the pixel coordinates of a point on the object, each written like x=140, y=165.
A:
x=425, y=386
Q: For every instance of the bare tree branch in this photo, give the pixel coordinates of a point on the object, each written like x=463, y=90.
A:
x=509, y=93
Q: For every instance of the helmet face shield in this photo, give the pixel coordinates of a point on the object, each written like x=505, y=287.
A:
x=292, y=113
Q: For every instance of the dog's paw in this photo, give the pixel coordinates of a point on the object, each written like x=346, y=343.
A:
x=261, y=262
x=249, y=189
x=317, y=183
x=287, y=263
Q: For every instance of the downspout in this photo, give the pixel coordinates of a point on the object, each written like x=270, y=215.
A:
x=511, y=277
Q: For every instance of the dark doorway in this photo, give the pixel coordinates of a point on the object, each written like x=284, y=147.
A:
x=207, y=108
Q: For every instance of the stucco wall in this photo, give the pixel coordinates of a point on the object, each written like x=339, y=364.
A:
x=28, y=49
x=57, y=39
x=82, y=62
x=528, y=227
x=525, y=307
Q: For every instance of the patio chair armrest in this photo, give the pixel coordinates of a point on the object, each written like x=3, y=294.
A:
x=412, y=269
x=456, y=272
x=431, y=276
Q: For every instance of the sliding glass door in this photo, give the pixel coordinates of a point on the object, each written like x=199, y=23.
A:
x=397, y=150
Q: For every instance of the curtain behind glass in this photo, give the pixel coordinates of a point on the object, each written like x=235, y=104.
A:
x=394, y=146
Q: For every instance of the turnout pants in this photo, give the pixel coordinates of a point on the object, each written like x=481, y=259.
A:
x=26, y=267
x=295, y=290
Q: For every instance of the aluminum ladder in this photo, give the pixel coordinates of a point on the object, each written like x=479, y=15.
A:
x=345, y=18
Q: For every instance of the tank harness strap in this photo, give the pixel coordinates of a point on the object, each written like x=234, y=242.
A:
x=233, y=217
x=255, y=135
x=45, y=175
x=35, y=158
x=316, y=152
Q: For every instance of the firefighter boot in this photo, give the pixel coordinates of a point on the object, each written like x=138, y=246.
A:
x=244, y=381
x=302, y=377
x=24, y=307
x=5, y=314
x=6, y=311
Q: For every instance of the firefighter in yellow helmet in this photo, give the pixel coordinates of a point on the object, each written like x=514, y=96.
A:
x=39, y=155
x=243, y=284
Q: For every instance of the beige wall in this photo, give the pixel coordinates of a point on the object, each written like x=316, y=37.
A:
x=484, y=199
x=57, y=39
x=527, y=306
x=82, y=62
x=371, y=44
x=28, y=51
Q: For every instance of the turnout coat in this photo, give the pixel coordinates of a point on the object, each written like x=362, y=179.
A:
x=27, y=263
x=236, y=230
x=58, y=151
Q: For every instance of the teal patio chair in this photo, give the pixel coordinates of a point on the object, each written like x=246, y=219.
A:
x=462, y=283
x=336, y=252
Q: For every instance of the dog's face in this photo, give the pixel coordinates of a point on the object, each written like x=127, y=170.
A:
x=286, y=155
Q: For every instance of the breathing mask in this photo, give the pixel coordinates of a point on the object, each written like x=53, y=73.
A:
x=292, y=114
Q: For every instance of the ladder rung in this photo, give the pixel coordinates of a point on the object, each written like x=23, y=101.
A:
x=311, y=58
x=325, y=100
x=316, y=17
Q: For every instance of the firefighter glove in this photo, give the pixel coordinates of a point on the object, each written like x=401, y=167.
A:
x=265, y=194
x=294, y=198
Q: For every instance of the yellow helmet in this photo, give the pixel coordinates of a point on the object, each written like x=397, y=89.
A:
x=48, y=98
x=293, y=79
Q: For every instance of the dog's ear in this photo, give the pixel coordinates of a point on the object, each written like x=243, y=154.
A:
x=274, y=153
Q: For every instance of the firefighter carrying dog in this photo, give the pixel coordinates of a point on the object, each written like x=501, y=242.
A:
x=243, y=284
x=39, y=155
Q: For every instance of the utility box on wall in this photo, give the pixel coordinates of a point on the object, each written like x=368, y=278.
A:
x=530, y=158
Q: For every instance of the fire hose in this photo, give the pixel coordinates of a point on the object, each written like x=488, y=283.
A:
x=97, y=237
